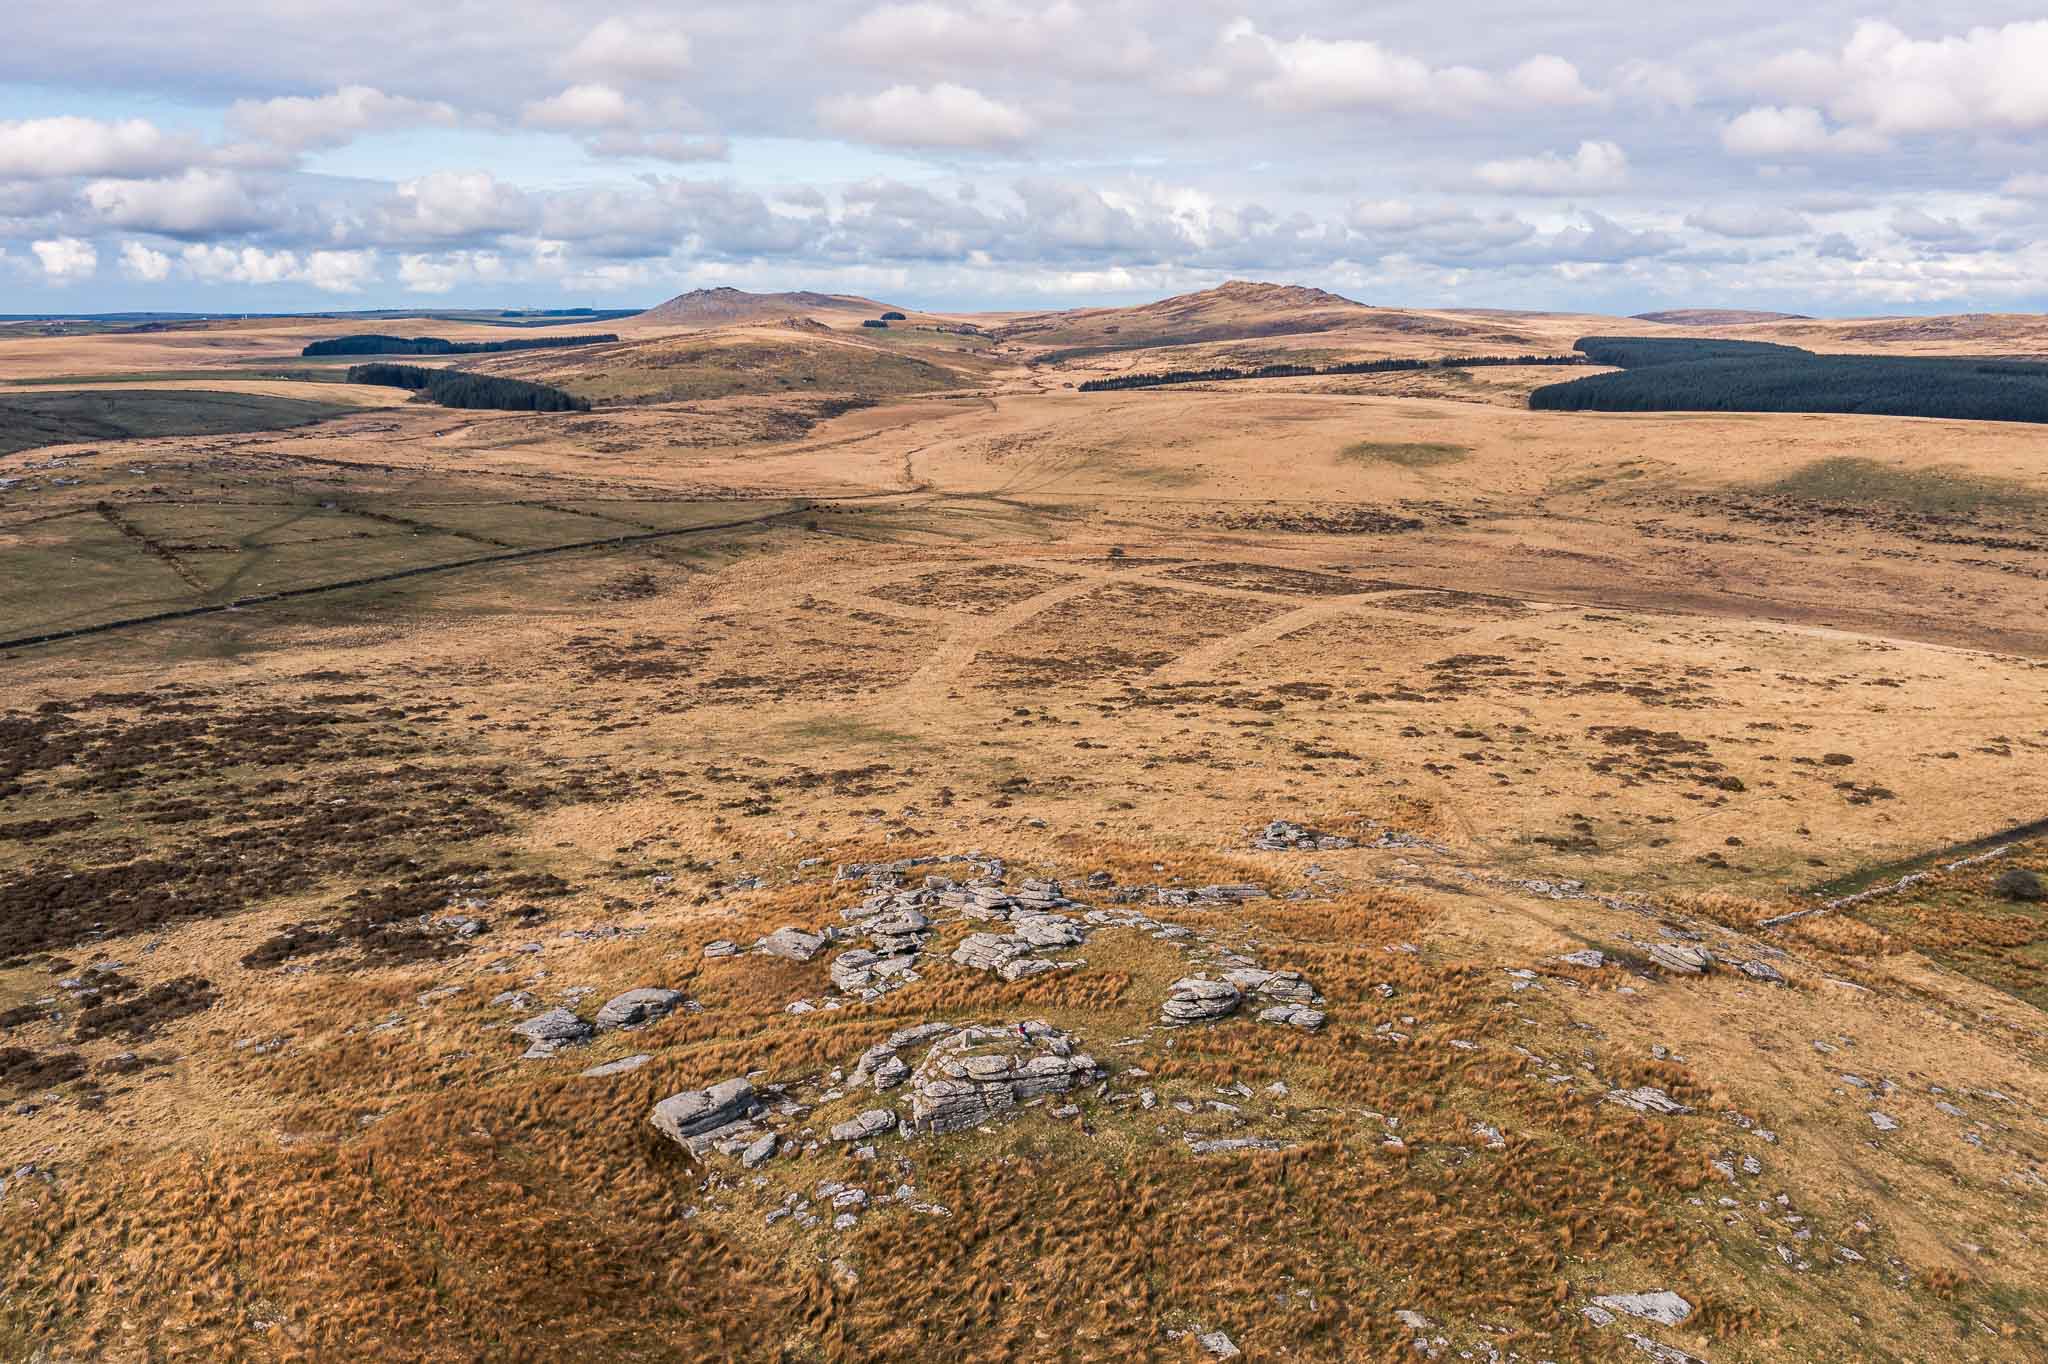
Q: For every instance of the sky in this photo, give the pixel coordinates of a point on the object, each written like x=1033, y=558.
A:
x=1829, y=158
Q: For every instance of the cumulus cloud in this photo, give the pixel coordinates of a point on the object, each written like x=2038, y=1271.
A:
x=1747, y=220
x=197, y=203
x=1919, y=226
x=303, y=123
x=1597, y=167
x=424, y=274
x=143, y=264
x=47, y=148
x=939, y=116
x=455, y=204
x=1311, y=73
x=1770, y=132
x=579, y=108
x=334, y=272
x=66, y=259
x=1893, y=84
x=642, y=49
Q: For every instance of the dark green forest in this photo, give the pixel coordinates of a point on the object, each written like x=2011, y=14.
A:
x=1224, y=375
x=1669, y=374
x=459, y=388
x=374, y=344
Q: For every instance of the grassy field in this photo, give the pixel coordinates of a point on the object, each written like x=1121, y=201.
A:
x=64, y=418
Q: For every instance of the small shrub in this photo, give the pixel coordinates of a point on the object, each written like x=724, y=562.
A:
x=2018, y=883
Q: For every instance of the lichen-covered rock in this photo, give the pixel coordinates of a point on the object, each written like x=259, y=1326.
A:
x=639, y=1006
x=792, y=943
x=701, y=1120
x=1047, y=930
x=1761, y=970
x=1025, y=967
x=980, y=1072
x=1284, y=987
x=1648, y=1099
x=1590, y=957
x=556, y=1025
x=990, y=951
x=1199, y=1001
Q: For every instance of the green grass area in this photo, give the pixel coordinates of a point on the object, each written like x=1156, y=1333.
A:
x=1853, y=481
x=680, y=370
x=29, y=420
x=1409, y=455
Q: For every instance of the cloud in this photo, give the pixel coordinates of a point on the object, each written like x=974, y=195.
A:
x=48, y=148
x=455, y=204
x=1595, y=168
x=994, y=33
x=422, y=274
x=1837, y=246
x=334, y=272
x=2029, y=185
x=303, y=123
x=579, y=108
x=66, y=259
x=1767, y=132
x=1747, y=220
x=1599, y=240
x=139, y=262
x=645, y=49
x=1657, y=83
x=944, y=115
x=1917, y=225
x=1310, y=73
x=197, y=203
x=1891, y=84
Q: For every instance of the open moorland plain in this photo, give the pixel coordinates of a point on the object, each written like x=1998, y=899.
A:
x=856, y=848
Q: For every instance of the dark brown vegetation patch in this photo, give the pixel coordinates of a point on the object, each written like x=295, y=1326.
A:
x=26, y=1071
x=144, y=1014
x=982, y=590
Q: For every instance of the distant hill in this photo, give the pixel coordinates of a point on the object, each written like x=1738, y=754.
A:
x=1716, y=317
x=1239, y=310
x=725, y=306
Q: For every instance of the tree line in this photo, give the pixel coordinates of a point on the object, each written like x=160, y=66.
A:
x=1661, y=374
x=1226, y=374
x=461, y=388
x=371, y=343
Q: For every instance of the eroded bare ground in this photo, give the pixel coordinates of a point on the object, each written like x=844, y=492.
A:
x=994, y=708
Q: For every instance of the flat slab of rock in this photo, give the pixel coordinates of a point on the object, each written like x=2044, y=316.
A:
x=556, y=1025
x=793, y=943
x=1591, y=957
x=1199, y=1001
x=697, y=1119
x=622, y=1066
x=643, y=1005
x=1681, y=959
x=1663, y=1307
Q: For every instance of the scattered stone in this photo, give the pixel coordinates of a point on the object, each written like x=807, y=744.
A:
x=1648, y=1099
x=721, y=948
x=990, y=951
x=1219, y=1345
x=872, y=1123
x=1883, y=1122
x=1199, y=1001
x=1663, y=1354
x=1760, y=970
x=1293, y=1016
x=793, y=943
x=643, y=1005
x=1220, y=1145
x=556, y=1025
x=1591, y=957
x=1663, y=1307
x=1284, y=835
